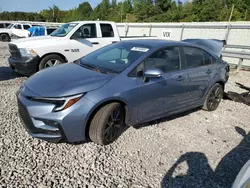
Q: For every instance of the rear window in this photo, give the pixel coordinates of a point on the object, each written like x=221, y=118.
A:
x=1, y=25
x=107, y=30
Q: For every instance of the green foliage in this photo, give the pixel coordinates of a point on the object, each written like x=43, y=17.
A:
x=142, y=11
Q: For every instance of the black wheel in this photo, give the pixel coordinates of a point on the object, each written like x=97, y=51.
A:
x=107, y=124
x=5, y=37
x=213, y=98
x=50, y=61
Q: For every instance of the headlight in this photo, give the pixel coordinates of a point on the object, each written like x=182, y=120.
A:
x=60, y=103
x=27, y=52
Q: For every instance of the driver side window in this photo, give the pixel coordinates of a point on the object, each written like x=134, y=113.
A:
x=85, y=31
x=18, y=26
x=167, y=60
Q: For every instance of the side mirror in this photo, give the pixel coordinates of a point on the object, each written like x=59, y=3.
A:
x=152, y=73
x=77, y=35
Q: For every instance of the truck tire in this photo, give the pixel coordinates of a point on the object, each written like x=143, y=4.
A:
x=50, y=61
x=213, y=98
x=107, y=124
x=5, y=37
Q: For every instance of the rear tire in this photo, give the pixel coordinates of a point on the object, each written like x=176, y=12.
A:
x=5, y=37
x=107, y=124
x=50, y=61
x=213, y=98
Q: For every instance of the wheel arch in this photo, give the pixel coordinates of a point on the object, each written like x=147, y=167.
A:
x=100, y=105
x=6, y=34
x=52, y=53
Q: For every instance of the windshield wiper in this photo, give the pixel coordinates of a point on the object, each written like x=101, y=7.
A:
x=91, y=67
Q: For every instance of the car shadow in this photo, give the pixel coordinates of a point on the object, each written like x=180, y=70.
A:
x=200, y=173
x=6, y=73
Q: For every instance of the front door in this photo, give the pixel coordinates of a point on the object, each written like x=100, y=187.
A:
x=84, y=41
x=159, y=96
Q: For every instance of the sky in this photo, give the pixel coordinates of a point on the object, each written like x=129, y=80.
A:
x=38, y=5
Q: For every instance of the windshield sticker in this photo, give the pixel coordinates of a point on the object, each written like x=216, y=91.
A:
x=139, y=49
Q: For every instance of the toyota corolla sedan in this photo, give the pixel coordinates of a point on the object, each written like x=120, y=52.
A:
x=123, y=84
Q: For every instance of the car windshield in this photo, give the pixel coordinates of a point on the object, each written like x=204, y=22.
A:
x=10, y=26
x=63, y=30
x=114, y=58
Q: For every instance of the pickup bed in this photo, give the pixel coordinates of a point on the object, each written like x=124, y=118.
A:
x=68, y=43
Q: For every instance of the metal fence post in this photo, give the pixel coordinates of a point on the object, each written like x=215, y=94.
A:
x=239, y=64
x=227, y=33
x=150, y=30
x=182, y=30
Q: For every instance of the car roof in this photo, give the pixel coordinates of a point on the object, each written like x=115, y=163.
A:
x=154, y=42
x=79, y=22
x=159, y=43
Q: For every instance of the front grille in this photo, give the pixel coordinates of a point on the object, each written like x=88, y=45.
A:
x=28, y=123
x=14, y=51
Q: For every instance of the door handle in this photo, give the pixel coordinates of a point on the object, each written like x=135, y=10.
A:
x=180, y=78
x=209, y=71
x=95, y=42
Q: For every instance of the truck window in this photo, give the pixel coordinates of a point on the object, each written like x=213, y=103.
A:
x=1, y=25
x=18, y=26
x=86, y=31
x=107, y=30
x=26, y=27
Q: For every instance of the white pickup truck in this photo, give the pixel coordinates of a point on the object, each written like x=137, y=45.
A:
x=68, y=43
x=14, y=29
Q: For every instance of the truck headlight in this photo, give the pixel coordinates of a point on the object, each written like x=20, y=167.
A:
x=61, y=103
x=27, y=52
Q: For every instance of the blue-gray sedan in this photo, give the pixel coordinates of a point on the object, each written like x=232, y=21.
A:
x=120, y=85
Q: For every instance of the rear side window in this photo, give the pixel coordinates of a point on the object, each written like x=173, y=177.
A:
x=208, y=59
x=1, y=25
x=26, y=27
x=107, y=30
x=194, y=57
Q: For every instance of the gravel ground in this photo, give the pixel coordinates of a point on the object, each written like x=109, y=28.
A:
x=195, y=149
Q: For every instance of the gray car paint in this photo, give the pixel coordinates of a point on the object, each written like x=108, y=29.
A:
x=144, y=101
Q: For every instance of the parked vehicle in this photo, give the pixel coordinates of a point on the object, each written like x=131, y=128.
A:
x=126, y=83
x=40, y=31
x=4, y=24
x=16, y=30
x=68, y=43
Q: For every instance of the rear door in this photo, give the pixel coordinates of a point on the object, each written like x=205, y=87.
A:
x=159, y=96
x=108, y=34
x=84, y=41
x=200, y=70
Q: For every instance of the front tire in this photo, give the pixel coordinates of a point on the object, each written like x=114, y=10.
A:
x=50, y=61
x=213, y=98
x=5, y=37
x=107, y=124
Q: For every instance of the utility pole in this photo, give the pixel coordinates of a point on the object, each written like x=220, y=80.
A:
x=231, y=14
x=121, y=11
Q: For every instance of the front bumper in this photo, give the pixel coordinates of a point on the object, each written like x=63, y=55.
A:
x=65, y=126
x=24, y=66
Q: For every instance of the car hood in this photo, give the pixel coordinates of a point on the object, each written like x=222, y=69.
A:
x=34, y=41
x=65, y=80
x=4, y=30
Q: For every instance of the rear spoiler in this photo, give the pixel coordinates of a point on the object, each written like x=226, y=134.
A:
x=213, y=45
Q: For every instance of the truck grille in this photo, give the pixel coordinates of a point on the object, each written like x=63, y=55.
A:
x=14, y=51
